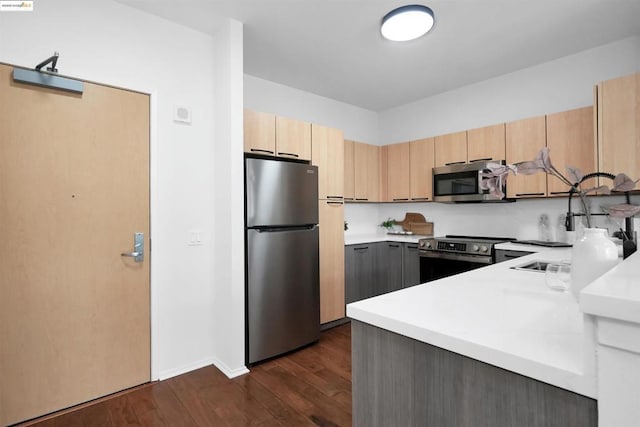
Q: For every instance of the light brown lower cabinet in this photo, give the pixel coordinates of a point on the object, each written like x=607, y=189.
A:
x=331, y=260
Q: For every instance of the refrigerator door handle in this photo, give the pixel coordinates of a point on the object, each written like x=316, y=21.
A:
x=280, y=229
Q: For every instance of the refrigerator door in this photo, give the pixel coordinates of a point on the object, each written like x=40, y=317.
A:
x=283, y=293
x=280, y=193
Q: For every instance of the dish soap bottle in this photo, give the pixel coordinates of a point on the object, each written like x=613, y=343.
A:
x=544, y=230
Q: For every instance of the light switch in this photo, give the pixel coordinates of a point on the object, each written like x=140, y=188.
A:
x=195, y=238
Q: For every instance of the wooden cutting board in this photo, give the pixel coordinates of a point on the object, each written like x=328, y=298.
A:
x=409, y=218
x=422, y=228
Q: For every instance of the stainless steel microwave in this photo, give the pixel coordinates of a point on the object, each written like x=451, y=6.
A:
x=462, y=183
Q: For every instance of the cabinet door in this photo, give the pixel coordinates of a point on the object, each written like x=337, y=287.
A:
x=398, y=171
x=619, y=126
x=259, y=132
x=571, y=142
x=332, y=259
x=410, y=265
x=349, y=171
x=388, y=267
x=359, y=272
x=361, y=170
x=487, y=143
x=451, y=149
x=327, y=152
x=421, y=154
x=373, y=173
x=293, y=138
x=524, y=140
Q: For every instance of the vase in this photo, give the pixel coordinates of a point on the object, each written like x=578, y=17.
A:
x=592, y=256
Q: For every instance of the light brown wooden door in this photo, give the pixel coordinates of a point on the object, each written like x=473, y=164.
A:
x=524, y=139
x=398, y=172
x=619, y=126
x=293, y=138
x=373, y=172
x=451, y=149
x=74, y=187
x=349, y=171
x=331, y=260
x=259, y=133
x=327, y=152
x=486, y=143
x=571, y=141
x=360, y=170
x=421, y=169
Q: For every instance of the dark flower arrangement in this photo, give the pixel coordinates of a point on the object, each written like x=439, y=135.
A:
x=495, y=179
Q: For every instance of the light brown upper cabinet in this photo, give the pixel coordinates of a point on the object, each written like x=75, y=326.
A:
x=331, y=216
x=259, y=133
x=293, y=138
x=451, y=149
x=571, y=141
x=524, y=139
x=421, y=154
x=266, y=133
x=349, y=171
x=618, y=105
x=398, y=177
x=373, y=172
x=366, y=172
x=486, y=143
x=327, y=152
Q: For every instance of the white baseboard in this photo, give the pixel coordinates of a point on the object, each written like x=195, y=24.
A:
x=230, y=373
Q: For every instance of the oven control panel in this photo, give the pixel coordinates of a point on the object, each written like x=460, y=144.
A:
x=455, y=246
x=452, y=246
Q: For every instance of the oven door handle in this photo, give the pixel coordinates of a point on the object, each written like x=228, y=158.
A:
x=479, y=259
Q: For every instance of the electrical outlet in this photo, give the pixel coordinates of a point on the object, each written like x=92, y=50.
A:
x=195, y=238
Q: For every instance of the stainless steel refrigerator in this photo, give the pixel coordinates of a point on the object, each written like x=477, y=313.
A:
x=282, y=280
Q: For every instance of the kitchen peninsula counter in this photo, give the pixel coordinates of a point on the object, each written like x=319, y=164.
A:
x=504, y=317
x=492, y=346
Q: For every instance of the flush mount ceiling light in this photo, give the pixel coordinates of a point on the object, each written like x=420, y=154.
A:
x=407, y=23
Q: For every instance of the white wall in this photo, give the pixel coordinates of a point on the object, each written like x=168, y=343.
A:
x=107, y=42
x=357, y=123
x=228, y=285
x=554, y=86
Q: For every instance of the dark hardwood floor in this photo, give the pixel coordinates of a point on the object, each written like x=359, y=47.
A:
x=309, y=387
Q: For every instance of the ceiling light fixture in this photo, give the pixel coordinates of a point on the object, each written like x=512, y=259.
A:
x=407, y=23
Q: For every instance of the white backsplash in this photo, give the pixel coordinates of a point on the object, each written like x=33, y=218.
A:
x=520, y=219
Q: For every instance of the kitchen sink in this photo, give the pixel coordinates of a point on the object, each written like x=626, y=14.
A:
x=536, y=265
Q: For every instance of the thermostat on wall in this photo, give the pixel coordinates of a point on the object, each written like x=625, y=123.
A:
x=182, y=114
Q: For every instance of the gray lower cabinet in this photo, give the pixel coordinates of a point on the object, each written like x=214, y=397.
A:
x=377, y=268
x=410, y=265
x=389, y=267
x=360, y=271
x=398, y=381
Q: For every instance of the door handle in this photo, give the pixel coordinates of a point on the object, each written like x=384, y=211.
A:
x=138, y=248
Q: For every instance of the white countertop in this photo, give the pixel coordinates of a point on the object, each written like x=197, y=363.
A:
x=504, y=317
x=510, y=246
x=357, y=239
x=616, y=294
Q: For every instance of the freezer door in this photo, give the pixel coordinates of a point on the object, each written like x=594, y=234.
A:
x=280, y=193
x=283, y=294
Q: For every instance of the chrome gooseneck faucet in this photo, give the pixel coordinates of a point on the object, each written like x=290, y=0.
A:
x=628, y=233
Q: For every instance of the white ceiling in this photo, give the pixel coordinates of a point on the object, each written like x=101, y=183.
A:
x=333, y=48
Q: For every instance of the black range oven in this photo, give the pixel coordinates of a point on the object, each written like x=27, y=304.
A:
x=445, y=256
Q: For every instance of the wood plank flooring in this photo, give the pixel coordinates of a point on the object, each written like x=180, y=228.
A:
x=310, y=387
